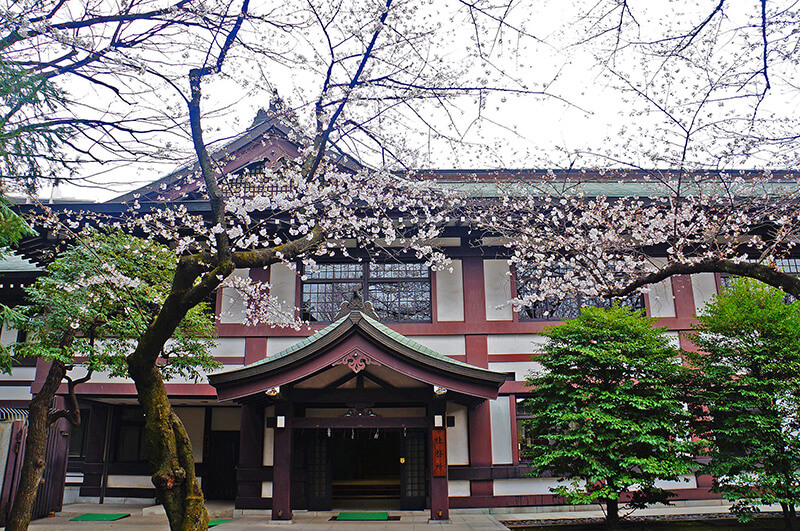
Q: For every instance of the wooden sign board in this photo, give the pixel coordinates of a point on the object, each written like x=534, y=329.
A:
x=439, y=452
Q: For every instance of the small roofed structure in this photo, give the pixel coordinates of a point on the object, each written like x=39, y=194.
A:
x=355, y=374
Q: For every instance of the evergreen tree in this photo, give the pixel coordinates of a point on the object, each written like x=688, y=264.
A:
x=746, y=400
x=606, y=410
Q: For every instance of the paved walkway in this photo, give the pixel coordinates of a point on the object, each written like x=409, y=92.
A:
x=153, y=518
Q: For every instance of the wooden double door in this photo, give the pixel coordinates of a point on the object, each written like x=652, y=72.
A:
x=361, y=467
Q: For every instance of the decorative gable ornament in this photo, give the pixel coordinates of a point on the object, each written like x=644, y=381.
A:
x=356, y=360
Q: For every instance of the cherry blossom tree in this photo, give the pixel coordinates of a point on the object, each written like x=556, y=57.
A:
x=92, y=300
x=373, y=70
x=702, y=90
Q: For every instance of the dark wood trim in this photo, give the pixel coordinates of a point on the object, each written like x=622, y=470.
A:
x=360, y=422
x=683, y=296
x=512, y=408
x=433, y=329
x=343, y=396
x=496, y=358
x=257, y=473
x=475, y=296
x=518, y=387
x=255, y=349
x=251, y=452
x=282, y=465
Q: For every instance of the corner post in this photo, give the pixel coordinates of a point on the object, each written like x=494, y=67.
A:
x=440, y=502
x=282, y=469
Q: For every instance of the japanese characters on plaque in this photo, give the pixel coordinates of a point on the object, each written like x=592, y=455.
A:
x=439, y=453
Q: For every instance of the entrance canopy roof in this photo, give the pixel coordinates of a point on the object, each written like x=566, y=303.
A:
x=355, y=343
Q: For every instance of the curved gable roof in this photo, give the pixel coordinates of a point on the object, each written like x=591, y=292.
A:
x=330, y=345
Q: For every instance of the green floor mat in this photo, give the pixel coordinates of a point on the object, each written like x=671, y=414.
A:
x=99, y=517
x=212, y=523
x=363, y=516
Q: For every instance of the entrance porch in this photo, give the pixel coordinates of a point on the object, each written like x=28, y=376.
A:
x=355, y=414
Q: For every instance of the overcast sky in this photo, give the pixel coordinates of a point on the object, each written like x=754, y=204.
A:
x=583, y=110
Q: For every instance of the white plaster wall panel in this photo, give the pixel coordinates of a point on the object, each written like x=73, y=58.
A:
x=226, y=419
x=501, y=430
x=8, y=335
x=450, y=293
x=228, y=347
x=72, y=478
x=283, y=284
x=521, y=369
x=233, y=306
x=17, y=392
x=515, y=343
x=19, y=373
x=674, y=338
x=661, y=299
x=704, y=287
x=458, y=437
x=524, y=486
x=686, y=481
x=447, y=345
x=193, y=419
x=277, y=344
x=104, y=377
x=458, y=487
x=266, y=489
x=497, y=284
x=268, y=456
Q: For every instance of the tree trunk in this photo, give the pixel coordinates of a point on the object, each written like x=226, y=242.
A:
x=169, y=451
x=788, y=516
x=35, y=449
x=612, y=514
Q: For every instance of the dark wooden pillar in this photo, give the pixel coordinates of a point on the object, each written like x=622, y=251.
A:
x=251, y=452
x=440, y=501
x=282, y=467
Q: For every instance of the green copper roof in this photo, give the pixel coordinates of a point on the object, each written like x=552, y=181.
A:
x=313, y=338
x=400, y=338
x=410, y=343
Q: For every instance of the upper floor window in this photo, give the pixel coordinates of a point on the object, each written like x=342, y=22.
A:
x=558, y=309
x=399, y=292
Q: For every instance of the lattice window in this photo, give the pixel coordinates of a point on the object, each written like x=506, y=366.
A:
x=526, y=437
x=317, y=464
x=415, y=477
x=555, y=309
x=399, y=292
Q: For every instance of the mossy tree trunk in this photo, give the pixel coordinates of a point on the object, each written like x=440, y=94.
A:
x=169, y=452
x=40, y=417
x=35, y=447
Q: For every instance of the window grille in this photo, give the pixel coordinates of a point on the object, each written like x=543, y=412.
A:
x=526, y=437
x=555, y=309
x=399, y=292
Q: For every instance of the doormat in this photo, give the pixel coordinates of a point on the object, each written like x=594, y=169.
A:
x=99, y=517
x=212, y=523
x=372, y=516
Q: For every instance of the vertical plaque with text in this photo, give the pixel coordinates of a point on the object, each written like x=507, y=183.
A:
x=439, y=453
